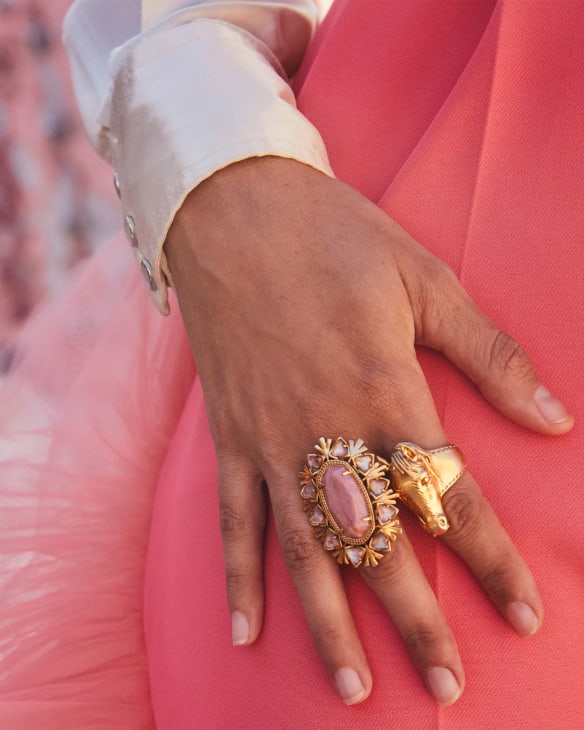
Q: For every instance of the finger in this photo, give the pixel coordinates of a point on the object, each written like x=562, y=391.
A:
x=475, y=532
x=401, y=586
x=321, y=594
x=493, y=360
x=477, y=535
x=242, y=510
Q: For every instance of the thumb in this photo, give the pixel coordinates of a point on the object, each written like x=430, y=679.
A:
x=493, y=360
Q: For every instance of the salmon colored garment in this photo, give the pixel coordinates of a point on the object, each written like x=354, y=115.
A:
x=465, y=120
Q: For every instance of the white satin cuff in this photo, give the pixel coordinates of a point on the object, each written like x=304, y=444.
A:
x=188, y=97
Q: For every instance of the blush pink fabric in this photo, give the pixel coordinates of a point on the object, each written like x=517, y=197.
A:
x=464, y=120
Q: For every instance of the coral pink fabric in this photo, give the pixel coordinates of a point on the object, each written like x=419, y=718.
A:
x=464, y=121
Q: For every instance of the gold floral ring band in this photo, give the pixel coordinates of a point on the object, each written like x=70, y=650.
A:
x=350, y=494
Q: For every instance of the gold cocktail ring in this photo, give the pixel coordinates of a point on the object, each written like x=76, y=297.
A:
x=420, y=478
x=349, y=500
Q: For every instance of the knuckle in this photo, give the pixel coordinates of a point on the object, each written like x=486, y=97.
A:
x=231, y=520
x=433, y=291
x=421, y=639
x=371, y=371
x=301, y=552
x=394, y=567
x=273, y=454
x=464, y=509
x=437, y=280
x=373, y=386
x=440, y=275
x=497, y=579
x=506, y=356
x=314, y=408
x=328, y=635
x=427, y=267
x=235, y=581
x=390, y=394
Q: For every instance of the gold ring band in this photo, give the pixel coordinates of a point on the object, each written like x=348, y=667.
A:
x=421, y=478
x=350, y=502
x=350, y=494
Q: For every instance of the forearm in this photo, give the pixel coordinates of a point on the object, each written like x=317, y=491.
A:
x=174, y=98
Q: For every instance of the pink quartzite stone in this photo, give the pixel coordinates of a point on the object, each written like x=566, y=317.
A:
x=346, y=501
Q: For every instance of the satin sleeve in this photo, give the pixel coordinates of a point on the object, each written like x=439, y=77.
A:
x=171, y=91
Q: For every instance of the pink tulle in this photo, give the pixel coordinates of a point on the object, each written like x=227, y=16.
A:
x=82, y=440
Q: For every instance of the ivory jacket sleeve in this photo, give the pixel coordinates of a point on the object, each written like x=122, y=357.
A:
x=171, y=91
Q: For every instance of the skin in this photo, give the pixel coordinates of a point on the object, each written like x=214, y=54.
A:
x=295, y=289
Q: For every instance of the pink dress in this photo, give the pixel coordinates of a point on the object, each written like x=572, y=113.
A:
x=465, y=122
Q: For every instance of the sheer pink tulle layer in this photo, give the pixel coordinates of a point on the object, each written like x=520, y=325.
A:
x=85, y=421
x=465, y=121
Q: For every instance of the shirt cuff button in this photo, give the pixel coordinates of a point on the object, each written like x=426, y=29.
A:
x=130, y=230
x=117, y=184
x=148, y=274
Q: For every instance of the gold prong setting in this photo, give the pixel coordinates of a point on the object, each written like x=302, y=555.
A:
x=350, y=502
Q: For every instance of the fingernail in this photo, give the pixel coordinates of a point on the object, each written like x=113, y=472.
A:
x=550, y=407
x=239, y=629
x=443, y=685
x=523, y=618
x=349, y=685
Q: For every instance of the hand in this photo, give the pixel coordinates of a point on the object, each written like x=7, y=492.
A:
x=303, y=303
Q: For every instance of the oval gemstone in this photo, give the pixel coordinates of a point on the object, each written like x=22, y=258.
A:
x=346, y=501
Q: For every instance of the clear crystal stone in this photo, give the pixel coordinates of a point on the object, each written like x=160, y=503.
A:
x=317, y=517
x=355, y=555
x=364, y=462
x=331, y=541
x=380, y=542
x=378, y=486
x=314, y=462
x=385, y=513
x=340, y=449
x=308, y=491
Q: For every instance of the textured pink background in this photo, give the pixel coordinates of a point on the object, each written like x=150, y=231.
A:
x=56, y=199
